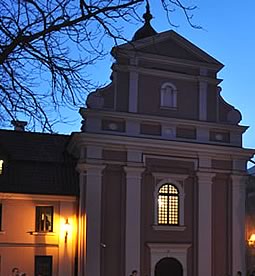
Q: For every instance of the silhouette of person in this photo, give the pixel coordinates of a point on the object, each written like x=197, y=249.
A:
x=15, y=271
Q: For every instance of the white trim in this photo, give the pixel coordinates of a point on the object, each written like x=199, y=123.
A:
x=93, y=174
x=37, y=197
x=177, y=180
x=203, y=100
x=133, y=92
x=205, y=223
x=238, y=223
x=162, y=73
x=159, y=251
x=158, y=146
x=159, y=119
x=34, y=233
x=133, y=219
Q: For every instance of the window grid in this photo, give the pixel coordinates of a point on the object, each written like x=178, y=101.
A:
x=168, y=205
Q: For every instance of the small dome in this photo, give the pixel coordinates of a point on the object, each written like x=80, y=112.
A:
x=146, y=30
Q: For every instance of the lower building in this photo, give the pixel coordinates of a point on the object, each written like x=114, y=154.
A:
x=38, y=204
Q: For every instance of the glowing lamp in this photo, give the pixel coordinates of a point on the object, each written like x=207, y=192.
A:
x=251, y=240
x=67, y=227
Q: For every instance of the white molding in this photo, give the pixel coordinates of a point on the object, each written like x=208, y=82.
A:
x=37, y=197
x=173, y=96
x=34, y=233
x=162, y=73
x=162, y=146
x=159, y=119
x=133, y=92
x=168, y=228
x=159, y=251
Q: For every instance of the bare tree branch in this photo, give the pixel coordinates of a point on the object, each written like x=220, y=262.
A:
x=46, y=46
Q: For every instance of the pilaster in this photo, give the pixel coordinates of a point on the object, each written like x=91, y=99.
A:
x=205, y=223
x=238, y=223
x=133, y=218
x=202, y=100
x=90, y=218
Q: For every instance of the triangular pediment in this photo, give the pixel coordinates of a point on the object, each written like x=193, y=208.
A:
x=171, y=45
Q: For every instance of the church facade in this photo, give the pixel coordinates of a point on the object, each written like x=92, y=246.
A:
x=162, y=167
x=153, y=185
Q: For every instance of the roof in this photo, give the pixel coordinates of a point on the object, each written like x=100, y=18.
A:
x=37, y=163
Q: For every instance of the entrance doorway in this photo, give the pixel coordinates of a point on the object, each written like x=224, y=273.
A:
x=168, y=267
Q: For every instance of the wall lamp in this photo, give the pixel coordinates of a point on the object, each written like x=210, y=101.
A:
x=66, y=229
x=251, y=240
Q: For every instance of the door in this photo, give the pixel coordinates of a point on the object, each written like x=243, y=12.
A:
x=168, y=267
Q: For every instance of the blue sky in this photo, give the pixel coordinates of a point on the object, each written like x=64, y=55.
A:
x=227, y=35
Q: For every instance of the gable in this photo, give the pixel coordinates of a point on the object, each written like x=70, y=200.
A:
x=171, y=49
x=171, y=45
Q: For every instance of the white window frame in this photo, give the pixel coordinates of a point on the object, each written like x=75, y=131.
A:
x=176, y=180
x=163, y=96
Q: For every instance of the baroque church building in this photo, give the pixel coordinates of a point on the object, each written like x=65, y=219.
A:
x=153, y=185
x=162, y=167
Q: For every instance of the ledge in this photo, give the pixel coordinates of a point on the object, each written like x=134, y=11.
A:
x=168, y=228
x=2, y=232
x=42, y=233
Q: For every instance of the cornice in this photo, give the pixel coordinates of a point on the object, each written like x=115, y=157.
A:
x=160, y=146
x=160, y=119
x=162, y=73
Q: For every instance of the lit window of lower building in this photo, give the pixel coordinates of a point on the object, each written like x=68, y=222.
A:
x=44, y=219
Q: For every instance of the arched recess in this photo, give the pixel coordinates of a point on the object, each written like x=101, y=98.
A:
x=168, y=95
x=168, y=266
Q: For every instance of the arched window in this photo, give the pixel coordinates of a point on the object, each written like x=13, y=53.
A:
x=168, y=205
x=168, y=95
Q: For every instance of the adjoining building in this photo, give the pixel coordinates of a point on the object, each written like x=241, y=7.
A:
x=38, y=200
x=162, y=173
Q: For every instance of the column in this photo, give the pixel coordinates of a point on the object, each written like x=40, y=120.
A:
x=238, y=224
x=133, y=219
x=82, y=227
x=205, y=223
x=90, y=218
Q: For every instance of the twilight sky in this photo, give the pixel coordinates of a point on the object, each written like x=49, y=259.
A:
x=228, y=35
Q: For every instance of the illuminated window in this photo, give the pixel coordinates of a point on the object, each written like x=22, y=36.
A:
x=168, y=205
x=44, y=219
x=168, y=94
x=1, y=166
